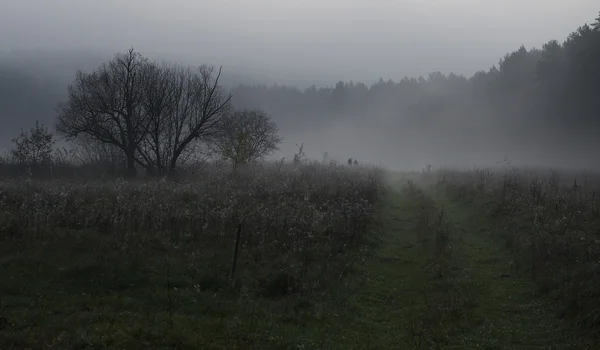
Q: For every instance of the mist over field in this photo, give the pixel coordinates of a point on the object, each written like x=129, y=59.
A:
x=307, y=174
x=400, y=83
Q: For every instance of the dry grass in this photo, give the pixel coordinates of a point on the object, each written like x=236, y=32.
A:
x=152, y=261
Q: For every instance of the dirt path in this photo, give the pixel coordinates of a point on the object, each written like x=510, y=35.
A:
x=439, y=280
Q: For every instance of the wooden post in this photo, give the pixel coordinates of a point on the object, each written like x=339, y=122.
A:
x=236, y=250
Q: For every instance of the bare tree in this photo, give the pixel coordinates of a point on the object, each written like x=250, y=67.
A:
x=184, y=107
x=106, y=105
x=159, y=102
x=202, y=106
x=246, y=136
x=34, y=147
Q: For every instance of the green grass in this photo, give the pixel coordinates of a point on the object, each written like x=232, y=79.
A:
x=70, y=294
x=510, y=314
x=428, y=283
x=416, y=296
x=467, y=296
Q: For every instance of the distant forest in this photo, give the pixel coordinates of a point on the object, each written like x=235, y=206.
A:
x=555, y=89
x=557, y=85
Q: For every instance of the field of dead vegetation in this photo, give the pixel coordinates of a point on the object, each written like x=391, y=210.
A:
x=215, y=260
x=306, y=256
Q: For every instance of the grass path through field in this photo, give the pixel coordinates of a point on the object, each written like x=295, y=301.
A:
x=439, y=279
x=509, y=315
x=394, y=280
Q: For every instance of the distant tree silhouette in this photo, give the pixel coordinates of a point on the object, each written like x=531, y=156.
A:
x=184, y=108
x=155, y=114
x=33, y=147
x=246, y=136
x=106, y=105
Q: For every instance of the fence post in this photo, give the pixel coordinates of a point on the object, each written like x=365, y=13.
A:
x=236, y=249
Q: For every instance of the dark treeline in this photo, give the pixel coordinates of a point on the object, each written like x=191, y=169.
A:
x=555, y=89
x=557, y=83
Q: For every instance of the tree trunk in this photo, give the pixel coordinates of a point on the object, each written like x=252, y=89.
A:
x=172, y=166
x=131, y=169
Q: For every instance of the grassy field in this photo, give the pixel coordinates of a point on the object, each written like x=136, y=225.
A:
x=327, y=257
x=214, y=262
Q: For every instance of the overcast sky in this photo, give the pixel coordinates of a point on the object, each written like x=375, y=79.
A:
x=292, y=40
